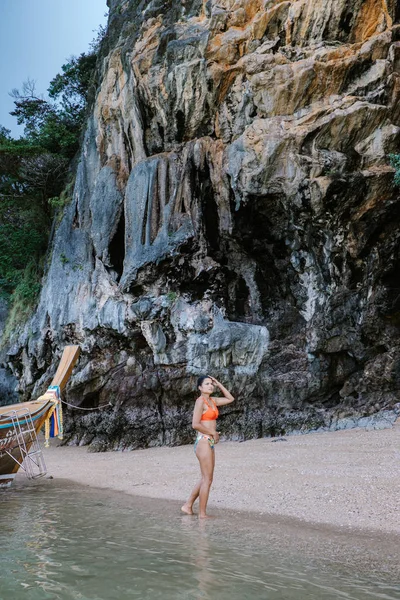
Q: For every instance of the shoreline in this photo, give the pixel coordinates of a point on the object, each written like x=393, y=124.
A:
x=344, y=479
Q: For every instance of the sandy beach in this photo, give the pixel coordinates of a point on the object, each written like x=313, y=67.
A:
x=347, y=479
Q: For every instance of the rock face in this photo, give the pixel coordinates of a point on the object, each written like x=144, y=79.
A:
x=233, y=213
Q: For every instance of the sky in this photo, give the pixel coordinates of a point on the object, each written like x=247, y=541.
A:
x=36, y=39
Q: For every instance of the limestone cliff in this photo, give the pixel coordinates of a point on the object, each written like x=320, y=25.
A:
x=234, y=213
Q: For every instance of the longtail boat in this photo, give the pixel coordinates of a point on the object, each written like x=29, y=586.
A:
x=20, y=424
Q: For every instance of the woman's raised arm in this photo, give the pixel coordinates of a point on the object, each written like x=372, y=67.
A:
x=227, y=399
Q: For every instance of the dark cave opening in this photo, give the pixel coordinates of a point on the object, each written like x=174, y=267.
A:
x=237, y=297
x=260, y=227
x=397, y=12
x=180, y=126
x=136, y=290
x=144, y=223
x=161, y=133
x=117, y=247
x=242, y=297
x=345, y=22
x=155, y=214
x=203, y=190
x=139, y=341
x=340, y=366
x=211, y=217
x=338, y=261
x=75, y=222
x=128, y=146
x=389, y=305
x=91, y=400
x=196, y=288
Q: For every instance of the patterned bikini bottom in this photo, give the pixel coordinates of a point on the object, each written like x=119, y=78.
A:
x=202, y=436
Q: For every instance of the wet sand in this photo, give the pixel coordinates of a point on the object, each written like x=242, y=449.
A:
x=348, y=479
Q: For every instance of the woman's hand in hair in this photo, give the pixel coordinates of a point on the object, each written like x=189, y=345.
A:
x=227, y=399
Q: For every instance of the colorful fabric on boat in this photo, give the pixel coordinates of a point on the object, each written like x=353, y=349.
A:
x=54, y=423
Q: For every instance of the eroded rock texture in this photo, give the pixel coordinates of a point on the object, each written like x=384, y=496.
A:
x=233, y=213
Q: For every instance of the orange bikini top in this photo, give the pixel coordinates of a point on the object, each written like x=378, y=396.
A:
x=211, y=413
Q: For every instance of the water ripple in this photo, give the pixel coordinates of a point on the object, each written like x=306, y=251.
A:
x=60, y=542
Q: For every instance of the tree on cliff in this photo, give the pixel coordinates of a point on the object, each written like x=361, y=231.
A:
x=34, y=171
x=56, y=124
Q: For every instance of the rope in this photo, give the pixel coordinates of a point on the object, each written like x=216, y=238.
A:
x=81, y=407
x=57, y=409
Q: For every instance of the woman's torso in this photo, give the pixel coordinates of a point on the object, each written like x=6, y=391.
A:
x=209, y=409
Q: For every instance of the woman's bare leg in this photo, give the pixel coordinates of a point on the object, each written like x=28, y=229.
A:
x=188, y=506
x=207, y=460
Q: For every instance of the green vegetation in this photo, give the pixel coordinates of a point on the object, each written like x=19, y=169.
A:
x=54, y=126
x=395, y=162
x=172, y=296
x=36, y=180
x=23, y=298
x=64, y=259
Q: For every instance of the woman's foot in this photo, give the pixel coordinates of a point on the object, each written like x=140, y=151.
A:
x=205, y=517
x=187, y=509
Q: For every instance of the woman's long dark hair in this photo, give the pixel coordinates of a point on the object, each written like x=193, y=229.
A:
x=201, y=379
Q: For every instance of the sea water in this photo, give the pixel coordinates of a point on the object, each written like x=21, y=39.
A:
x=62, y=541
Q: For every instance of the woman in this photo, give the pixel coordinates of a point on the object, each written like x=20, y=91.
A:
x=205, y=422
